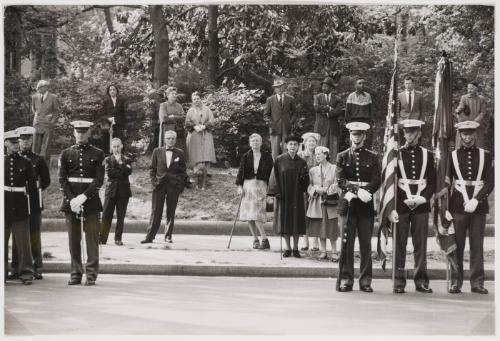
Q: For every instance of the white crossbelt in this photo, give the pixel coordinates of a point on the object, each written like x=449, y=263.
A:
x=359, y=183
x=14, y=189
x=460, y=183
x=81, y=180
x=404, y=183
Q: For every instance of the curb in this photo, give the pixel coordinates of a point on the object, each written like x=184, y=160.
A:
x=243, y=271
x=203, y=227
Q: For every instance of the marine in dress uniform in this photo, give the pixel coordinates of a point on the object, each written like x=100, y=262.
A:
x=81, y=174
x=42, y=178
x=416, y=185
x=19, y=187
x=472, y=176
x=358, y=175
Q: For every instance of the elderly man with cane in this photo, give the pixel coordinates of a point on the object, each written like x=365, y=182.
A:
x=81, y=174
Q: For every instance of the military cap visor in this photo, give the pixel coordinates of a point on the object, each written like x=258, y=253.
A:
x=25, y=131
x=11, y=135
x=357, y=126
x=81, y=125
x=411, y=123
x=467, y=125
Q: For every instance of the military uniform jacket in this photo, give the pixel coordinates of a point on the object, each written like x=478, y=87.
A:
x=82, y=161
x=327, y=113
x=18, y=173
x=118, y=184
x=42, y=177
x=361, y=165
x=412, y=159
x=468, y=161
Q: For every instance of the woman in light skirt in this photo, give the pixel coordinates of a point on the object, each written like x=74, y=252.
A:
x=252, y=179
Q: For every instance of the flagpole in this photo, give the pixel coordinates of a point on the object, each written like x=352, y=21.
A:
x=396, y=135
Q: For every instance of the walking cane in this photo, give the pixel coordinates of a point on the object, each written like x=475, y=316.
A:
x=83, y=245
x=343, y=249
x=235, y=220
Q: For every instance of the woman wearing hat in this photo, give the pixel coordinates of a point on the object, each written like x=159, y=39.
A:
x=252, y=179
x=310, y=143
x=169, y=114
x=200, y=141
x=291, y=179
x=321, y=213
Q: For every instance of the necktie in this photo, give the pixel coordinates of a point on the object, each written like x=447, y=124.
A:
x=42, y=98
x=280, y=98
x=409, y=99
x=170, y=149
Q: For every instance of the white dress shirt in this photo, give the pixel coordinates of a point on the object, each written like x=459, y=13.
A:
x=168, y=155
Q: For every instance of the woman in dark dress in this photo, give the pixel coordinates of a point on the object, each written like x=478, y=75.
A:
x=252, y=179
x=290, y=182
x=113, y=116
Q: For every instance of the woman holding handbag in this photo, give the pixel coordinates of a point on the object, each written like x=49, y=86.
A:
x=323, y=194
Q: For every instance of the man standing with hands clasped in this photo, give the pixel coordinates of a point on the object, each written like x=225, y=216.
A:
x=472, y=176
x=416, y=185
x=81, y=174
x=169, y=177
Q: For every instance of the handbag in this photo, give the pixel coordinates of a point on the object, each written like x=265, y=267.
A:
x=331, y=199
x=269, y=204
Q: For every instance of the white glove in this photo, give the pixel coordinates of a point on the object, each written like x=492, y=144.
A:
x=419, y=200
x=349, y=196
x=471, y=206
x=394, y=217
x=448, y=215
x=240, y=190
x=111, y=120
x=75, y=207
x=202, y=126
x=197, y=128
x=364, y=195
x=410, y=202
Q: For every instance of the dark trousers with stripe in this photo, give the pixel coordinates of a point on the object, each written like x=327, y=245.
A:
x=20, y=231
x=475, y=225
x=363, y=228
x=91, y=229
x=35, y=222
x=161, y=194
x=120, y=203
x=418, y=225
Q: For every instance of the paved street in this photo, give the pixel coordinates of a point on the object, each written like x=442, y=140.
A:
x=229, y=305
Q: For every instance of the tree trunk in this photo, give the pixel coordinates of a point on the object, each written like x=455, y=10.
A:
x=402, y=23
x=109, y=21
x=213, y=45
x=160, y=36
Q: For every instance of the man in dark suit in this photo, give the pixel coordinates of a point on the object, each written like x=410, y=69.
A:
x=328, y=114
x=118, y=168
x=279, y=110
x=169, y=177
x=410, y=102
x=81, y=174
x=45, y=107
x=42, y=178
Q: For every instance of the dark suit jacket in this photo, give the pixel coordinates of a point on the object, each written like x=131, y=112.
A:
x=118, y=111
x=118, y=184
x=281, y=117
x=416, y=111
x=247, y=171
x=327, y=113
x=174, y=176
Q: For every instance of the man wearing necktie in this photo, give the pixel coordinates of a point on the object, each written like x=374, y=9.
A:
x=410, y=102
x=169, y=177
x=279, y=111
x=328, y=114
x=45, y=107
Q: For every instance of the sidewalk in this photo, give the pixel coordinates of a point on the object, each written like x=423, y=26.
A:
x=208, y=255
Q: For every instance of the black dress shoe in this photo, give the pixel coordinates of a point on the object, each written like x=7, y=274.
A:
x=479, y=290
x=424, y=288
x=399, y=290
x=75, y=281
x=146, y=241
x=27, y=281
x=287, y=253
x=296, y=254
x=37, y=275
x=366, y=288
x=454, y=289
x=345, y=288
x=89, y=282
x=13, y=276
x=118, y=242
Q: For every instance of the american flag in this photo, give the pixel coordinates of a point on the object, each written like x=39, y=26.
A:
x=389, y=165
